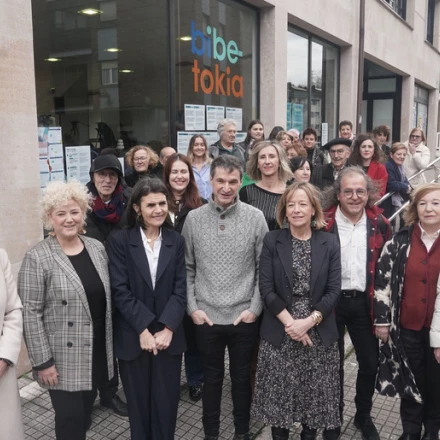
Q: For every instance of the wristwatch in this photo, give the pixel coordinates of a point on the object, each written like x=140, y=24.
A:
x=7, y=361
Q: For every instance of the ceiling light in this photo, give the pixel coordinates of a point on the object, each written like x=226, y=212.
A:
x=52, y=60
x=126, y=71
x=90, y=11
x=185, y=38
x=113, y=49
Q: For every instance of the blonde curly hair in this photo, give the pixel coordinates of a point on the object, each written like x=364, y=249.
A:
x=58, y=194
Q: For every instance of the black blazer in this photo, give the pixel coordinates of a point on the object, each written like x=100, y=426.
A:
x=137, y=305
x=276, y=283
x=394, y=184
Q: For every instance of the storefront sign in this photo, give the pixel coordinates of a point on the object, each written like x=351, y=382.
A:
x=215, y=47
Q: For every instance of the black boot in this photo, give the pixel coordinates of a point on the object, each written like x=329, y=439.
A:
x=279, y=433
x=331, y=434
x=308, y=433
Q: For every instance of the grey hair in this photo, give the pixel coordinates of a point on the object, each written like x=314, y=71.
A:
x=329, y=196
x=222, y=124
x=227, y=162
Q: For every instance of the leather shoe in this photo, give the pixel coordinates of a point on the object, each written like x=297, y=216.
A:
x=195, y=392
x=409, y=436
x=430, y=436
x=308, y=433
x=331, y=434
x=117, y=405
x=367, y=428
x=279, y=433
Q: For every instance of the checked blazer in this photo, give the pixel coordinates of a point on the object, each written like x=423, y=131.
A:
x=56, y=315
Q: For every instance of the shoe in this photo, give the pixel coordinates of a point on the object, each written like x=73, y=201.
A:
x=308, y=433
x=331, y=434
x=409, y=436
x=117, y=405
x=195, y=392
x=367, y=428
x=279, y=433
x=430, y=436
x=242, y=436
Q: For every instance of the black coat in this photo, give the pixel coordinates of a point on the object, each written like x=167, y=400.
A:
x=137, y=305
x=322, y=176
x=276, y=283
x=394, y=184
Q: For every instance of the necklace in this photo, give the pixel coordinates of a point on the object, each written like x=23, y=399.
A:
x=149, y=240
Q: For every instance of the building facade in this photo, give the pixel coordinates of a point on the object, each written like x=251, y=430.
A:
x=121, y=72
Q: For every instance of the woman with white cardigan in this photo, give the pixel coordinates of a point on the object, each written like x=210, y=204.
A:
x=418, y=156
x=11, y=328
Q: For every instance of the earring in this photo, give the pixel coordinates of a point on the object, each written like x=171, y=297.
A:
x=313, y=222
x=82, y=231
x=52, y=234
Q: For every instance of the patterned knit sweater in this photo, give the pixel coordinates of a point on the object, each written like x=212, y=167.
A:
x=222, y=252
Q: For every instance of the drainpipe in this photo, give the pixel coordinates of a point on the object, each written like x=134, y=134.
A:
x=360, y=66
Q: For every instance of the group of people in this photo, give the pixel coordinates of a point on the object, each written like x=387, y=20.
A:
x=180, y=259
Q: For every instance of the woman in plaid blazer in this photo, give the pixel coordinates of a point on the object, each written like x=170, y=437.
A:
x=65, y=289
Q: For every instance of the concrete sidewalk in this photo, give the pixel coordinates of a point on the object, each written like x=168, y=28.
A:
x=39, y=423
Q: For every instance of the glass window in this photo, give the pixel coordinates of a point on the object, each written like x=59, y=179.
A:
x=109, y=77
x=420, y=108
x=399, y=6
x=312, y=88
x=430, y=21
x=216, y=61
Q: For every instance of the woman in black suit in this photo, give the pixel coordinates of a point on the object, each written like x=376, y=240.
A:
x=300, y=282
x=148, y=281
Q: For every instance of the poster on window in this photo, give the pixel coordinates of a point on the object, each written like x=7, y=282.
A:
x=289, y=116
x=194, y=117
x=50, y=150
x=236, y=114
x=297, y=117
x=78, y=162
x=214, y=114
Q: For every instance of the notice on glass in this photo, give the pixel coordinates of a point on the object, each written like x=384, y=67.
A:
x=55, y=136
x=240, y=136
x=324, y=133
x=211, y=137
x=214, y=114
x=236, y=114
x=183, y=138
x=78, y=163
x=194, y=117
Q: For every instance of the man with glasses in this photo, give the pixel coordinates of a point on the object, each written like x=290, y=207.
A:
x=339, y=150
x=362, y=232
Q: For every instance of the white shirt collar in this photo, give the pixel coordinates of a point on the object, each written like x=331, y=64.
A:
x=425, y=234
x=341, y=217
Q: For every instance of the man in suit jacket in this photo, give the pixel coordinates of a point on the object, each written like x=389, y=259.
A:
x=323, y=176
x=362, y=232
x=223, y=241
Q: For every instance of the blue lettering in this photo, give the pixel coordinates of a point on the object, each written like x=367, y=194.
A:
x=194, y=35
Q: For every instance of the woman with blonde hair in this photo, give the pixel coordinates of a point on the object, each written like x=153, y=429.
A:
x=64, y=285
x=144, y=162
x=300, y=280
x=418, y=156
x=198, y=155
x=269, y=167
x=405, y=302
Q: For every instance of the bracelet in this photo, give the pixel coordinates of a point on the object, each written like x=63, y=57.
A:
x=317, y=317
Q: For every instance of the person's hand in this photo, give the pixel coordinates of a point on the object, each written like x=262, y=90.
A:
x=199, y=317
x=147, y=341
x=299, y=327
x=412, y=148
x=437, y=354
x=409, y=189
x=382, y=332
x=246, y=316
x=163, y=338
x=306, y=340
x=49, y=376
x=3, y=367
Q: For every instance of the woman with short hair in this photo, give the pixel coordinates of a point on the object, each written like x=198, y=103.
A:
x=144, y=162
x=382, y=136
x=269, y=167
x=405, y=301
x=67, y=313
x=300, y=282
x=300, y=168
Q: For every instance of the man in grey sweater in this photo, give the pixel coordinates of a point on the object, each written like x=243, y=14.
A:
x=223, y=245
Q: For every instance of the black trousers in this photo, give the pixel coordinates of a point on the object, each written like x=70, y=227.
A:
x=152, y=388
x=353, y=313
x=240, y=342
x=72, y=411
x=193, y=358
x=426, y=371
x=108, y=389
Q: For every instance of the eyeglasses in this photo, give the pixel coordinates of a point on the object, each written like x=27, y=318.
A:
x=110, y=174
x=349, y=193
x=415, y=136
x=334, y=152
x=140, y=159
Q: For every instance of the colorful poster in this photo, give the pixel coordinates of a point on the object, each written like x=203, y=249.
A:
x=297, y=117
x=289, y=116
x=51, y=155
x=78, y=162
x=194, y=117
x=214, y=114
